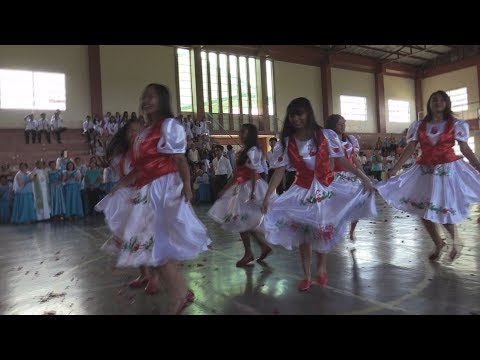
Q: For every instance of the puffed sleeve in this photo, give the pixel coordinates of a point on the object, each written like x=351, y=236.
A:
x=173, y=140
x=462, y=130
x=254, y=160
x=335, y=148
x=280, y=155
x=412, y=131
x=355, y=144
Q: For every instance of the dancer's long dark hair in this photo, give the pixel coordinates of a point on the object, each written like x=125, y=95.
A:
x=299, y=106
x=119, y=143
x=250, y=141
x=447, y=113
x=164, y=95
x=331, y=124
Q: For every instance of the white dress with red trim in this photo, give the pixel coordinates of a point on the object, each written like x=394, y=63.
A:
x=234, y=211
x=441, y=186
x=349, y=183
x=129, y=215
x=313, y=210
x=178, y=233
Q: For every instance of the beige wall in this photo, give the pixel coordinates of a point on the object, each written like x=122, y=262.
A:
x=398, y=88
x=355, y=83
x=454, y=80
x=72, y=60
x=294, y=80
x=127, y=69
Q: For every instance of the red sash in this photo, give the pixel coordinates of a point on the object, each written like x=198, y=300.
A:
x=322, y=171
x=243, y=173
x=150, y=163
x=440, y=153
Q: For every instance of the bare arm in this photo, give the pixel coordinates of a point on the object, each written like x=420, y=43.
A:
x=409, y=150
x=274, y=182
x=357, y=164
x=182, y=165
x=468, y=153
x=367, y=184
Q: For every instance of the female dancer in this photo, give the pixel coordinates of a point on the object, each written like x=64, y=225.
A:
x=128, y=213
x=159, y=152
x=441, y=186
x=312, y=213
x=233, y=210
x=345, y=181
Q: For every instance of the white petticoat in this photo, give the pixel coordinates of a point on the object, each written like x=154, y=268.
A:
x=234, y=211
x=440, y=193
x=318, y=216
x=129, y=215
x=178, y=233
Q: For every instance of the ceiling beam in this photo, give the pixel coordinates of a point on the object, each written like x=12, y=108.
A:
x=445, y=68
x=428, y=50
x=411, y=55
x=397, y=53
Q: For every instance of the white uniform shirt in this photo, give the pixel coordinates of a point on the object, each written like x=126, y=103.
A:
x=222, y=166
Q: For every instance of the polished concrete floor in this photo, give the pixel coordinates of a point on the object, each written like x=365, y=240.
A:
x=57, y=268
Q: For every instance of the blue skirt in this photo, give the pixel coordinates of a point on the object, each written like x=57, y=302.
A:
x=73, y=200
x=4, y=211
x=57, y=200
x=23, y=209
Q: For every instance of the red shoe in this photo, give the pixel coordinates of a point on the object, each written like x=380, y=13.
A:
x=138, y=283
x=304, y=285
x=151, y=289
x=322, y=280
x=187, y=301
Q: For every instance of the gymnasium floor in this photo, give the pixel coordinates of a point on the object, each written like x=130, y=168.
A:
x=57, y=268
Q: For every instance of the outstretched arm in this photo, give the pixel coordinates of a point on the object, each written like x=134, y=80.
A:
x=468, y=153
x=182, y=165
x=409, y=150
x=274, y=182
